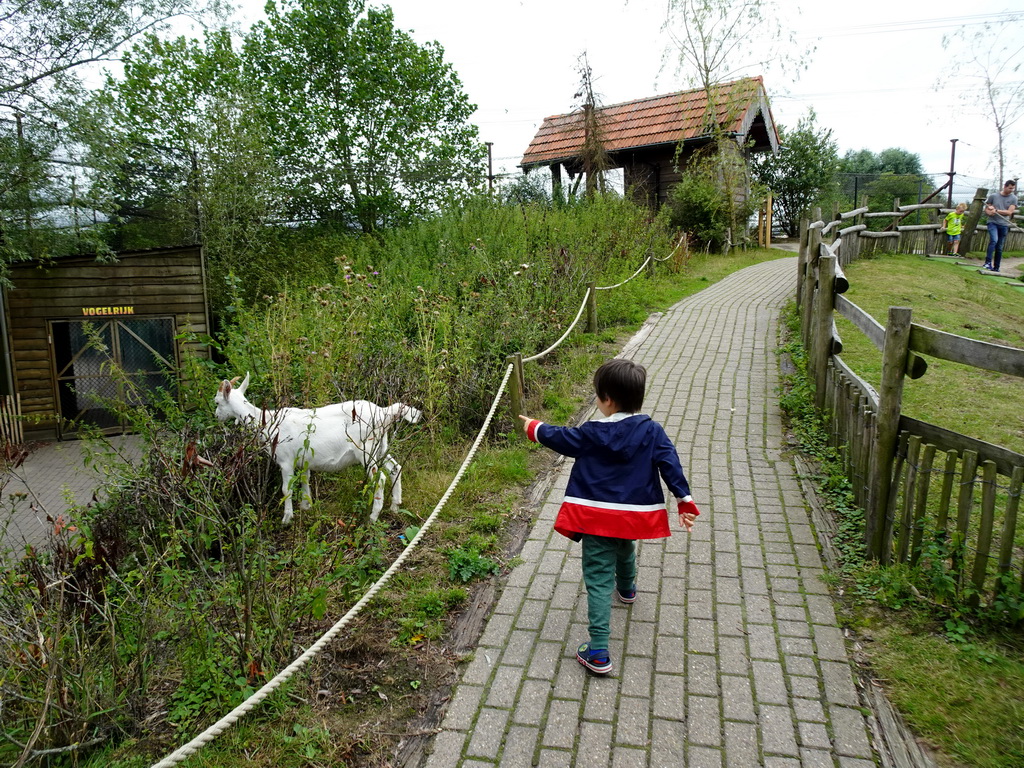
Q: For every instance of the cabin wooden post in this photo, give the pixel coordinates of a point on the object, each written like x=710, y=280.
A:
x=971, y=219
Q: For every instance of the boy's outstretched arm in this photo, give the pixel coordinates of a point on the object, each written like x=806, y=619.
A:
x=687, y=512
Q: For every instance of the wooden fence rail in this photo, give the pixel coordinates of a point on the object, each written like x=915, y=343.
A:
x=927, y=492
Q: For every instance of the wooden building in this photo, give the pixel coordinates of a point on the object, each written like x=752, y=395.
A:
x=66, y=321
x=652, y=139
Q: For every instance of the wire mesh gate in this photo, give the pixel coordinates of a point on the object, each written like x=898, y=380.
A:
x=102, y=363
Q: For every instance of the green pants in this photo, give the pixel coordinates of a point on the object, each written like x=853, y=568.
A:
x=607, y=563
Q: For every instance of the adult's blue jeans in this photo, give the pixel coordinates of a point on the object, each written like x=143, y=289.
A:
x=996, y=237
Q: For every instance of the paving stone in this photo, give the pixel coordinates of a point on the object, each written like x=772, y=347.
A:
x=487, y=733
x=545, y=660
x=600, y=700
x=560, y=730
x=520, y=745
x=463, y=707
x=669, y=697
x=595, y=745
x=667, y=744
x=777, y=731
x=446, y=750
x=769, y=683
x=556, y=758
x=532, y=704
x=738, y=698
x=702, y=674
x=829, y=643
x=635, y=677
x=632, y=721
x=839, y=685
x=624, y=757
x=703, y=757
x=741, y=749
x=849, y=732
x=703, y=721
x=815, y=758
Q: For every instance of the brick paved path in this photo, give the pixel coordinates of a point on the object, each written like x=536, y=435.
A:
x=731, y=655
x=51, y=475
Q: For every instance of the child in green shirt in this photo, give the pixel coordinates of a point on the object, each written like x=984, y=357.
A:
x=953, y=226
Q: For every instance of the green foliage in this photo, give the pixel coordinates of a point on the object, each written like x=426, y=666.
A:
x=372, y=128
x=892, y=173
x=803, y=174
x=467, y=565
x=711, y=203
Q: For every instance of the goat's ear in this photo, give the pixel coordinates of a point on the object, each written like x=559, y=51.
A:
x=224, y=388
x=244, y=385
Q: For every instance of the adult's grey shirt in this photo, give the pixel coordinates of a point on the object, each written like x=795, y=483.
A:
x=1001, y=202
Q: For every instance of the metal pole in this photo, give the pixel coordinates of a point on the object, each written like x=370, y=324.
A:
x=952, y=159
x=490, y=168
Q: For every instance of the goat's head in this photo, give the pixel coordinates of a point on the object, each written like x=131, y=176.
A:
x=230, y=395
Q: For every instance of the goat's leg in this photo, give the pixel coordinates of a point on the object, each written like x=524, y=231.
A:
x=394, y=470
x=307, y=496
x=379, y=480
x=287, y=473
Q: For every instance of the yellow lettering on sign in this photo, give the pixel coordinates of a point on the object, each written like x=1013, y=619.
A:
x=93, y=311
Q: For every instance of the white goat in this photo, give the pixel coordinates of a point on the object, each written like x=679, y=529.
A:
x=326, y=439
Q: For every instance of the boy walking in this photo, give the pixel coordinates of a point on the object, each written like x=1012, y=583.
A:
x=614, y=494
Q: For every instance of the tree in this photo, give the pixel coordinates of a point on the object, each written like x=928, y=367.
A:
x=595, y=159
x=45, y=46
x=720, y=40
x=803, y=174
x=892, y=173
x=991, y=60
x=371, y=128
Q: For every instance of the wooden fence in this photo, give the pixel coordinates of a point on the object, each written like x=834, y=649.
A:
x=923, y=488
x=865, y=232
x=11, y=432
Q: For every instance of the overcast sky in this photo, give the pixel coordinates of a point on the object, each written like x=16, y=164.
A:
x=871, y=79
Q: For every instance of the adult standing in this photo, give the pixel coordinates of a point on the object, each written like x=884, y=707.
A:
x=999, y=208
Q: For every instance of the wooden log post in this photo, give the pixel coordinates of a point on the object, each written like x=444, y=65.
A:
x=810, y=278
x=971, y=219
x=801, y=263
x=895, y=350
x=592, y=308
x=821, y=348
x=650, y=262
x=517, y=387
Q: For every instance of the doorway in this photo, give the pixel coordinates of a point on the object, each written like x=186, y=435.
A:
x=105, y=361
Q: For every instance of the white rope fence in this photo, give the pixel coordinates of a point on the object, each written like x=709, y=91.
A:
x=232, y=717
x=565, y=335
x=281, y=677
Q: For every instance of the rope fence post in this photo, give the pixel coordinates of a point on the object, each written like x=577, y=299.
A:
x=517, y=390
x=592, y=307
x=650, y=262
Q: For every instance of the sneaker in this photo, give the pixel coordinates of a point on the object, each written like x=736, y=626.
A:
x=596, y=660
x=627, y=595
x=988, y=267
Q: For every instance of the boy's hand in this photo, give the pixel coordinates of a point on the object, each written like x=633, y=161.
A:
x=526, y=422
x=687, y=514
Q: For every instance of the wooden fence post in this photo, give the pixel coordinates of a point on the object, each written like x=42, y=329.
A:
x=516, y=386
x=650, y=262
x=890, y=396
x=801, y=263
x=824, y=302
x=592, y=308
x=810, y=275
x=971, y=219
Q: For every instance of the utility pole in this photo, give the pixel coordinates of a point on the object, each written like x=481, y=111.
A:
x=952, y=159
x=490, y=169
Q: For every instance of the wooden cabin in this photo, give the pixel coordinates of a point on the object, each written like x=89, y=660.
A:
x=652, y=139
x=68, y=319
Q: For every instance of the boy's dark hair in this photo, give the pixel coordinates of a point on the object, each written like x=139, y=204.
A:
x=623, y=382
x=1010, y=183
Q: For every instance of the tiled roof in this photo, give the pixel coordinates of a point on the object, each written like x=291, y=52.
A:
x=655, y=120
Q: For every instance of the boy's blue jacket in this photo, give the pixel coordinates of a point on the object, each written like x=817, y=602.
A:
x=615, y=485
